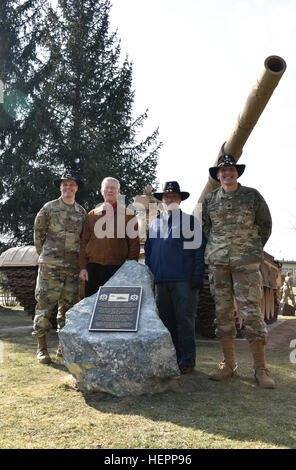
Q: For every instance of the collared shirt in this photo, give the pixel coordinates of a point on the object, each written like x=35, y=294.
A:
x=237, y=225
x=57, y=231
x=109, y=208
x=174, y=247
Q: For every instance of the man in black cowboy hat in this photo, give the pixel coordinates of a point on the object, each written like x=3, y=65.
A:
x=57, y=230
x=174, y=251
x=237, y=224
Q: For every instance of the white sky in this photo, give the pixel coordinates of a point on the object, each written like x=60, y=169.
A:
x=194, y=65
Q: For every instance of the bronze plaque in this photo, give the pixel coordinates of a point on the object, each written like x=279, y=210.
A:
x=116, y=309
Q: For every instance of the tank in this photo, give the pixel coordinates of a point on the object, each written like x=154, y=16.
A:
x=18, y=274
x=274, y=67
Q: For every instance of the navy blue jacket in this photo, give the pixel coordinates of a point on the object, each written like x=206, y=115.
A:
x=165, y=252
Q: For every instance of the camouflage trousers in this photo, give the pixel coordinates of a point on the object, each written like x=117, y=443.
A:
x=244, y=284
x=55, y=287
x=286, y=296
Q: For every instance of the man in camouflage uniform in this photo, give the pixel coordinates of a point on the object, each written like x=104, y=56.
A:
x=287, y=290
x=57, y=230
x=237, y=224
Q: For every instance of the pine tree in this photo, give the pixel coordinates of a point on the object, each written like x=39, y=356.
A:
x=21, y=30
x=93, y=102
x=78, y=114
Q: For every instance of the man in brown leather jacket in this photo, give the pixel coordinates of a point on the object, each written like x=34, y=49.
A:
x=110, y=237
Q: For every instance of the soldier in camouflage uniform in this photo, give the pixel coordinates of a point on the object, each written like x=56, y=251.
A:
x=287, y=290
x=237, y=224
x=57, y=230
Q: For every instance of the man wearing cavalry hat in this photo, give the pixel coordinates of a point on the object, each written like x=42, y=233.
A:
x=57, y=230
x=237, y=225
x=174, y=251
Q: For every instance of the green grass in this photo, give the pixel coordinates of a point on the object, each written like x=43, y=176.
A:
x=40, y=409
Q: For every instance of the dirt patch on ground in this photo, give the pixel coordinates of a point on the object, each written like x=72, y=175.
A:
x=281, y=334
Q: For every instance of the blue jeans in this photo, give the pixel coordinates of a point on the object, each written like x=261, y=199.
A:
x=176, y=303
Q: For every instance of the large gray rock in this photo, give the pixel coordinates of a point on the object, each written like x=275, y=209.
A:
x=120, y=363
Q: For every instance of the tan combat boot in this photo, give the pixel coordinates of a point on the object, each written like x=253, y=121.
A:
x=260, y=371
x=228, y=367
x=42, y=354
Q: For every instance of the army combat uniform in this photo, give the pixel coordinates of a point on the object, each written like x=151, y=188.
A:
x=287, y=291
x=237, y=225
x=57, y=230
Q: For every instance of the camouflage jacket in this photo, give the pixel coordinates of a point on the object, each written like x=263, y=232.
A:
x=237, y=225
x=57, y=232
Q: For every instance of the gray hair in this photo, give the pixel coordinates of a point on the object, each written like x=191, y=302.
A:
x=109, y=178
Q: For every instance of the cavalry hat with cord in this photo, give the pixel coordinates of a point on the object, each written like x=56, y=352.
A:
x=223, y=161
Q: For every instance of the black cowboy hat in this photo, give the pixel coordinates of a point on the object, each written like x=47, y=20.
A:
x=172, y=187
x=69, y=175
x=226, y=160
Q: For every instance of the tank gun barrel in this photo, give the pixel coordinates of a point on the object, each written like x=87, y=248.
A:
x=274, y=67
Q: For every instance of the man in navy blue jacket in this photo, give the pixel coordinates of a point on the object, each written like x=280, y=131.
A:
x=174, y=252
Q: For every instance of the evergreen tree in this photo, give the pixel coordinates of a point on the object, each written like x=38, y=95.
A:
x=78, y=114
x=20, y=35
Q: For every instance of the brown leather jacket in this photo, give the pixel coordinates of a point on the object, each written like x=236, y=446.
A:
x=109, y=240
